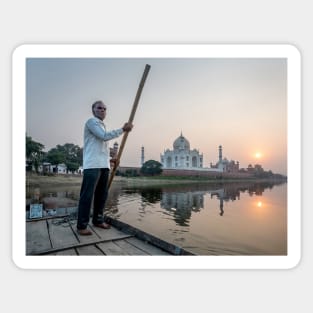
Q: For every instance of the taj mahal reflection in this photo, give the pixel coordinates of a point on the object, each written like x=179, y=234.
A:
x=182, y=204
x=179, y=203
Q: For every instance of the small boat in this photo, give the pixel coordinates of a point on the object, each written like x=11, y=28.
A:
x=56, y=234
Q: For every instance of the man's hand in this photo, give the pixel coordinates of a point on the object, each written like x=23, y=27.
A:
x=115, y=162
x=128, y=127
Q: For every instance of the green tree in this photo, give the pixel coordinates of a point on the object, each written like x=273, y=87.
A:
x=151, y=168
x=73, y=156
x=72, y=166
x=34, y=153
x=55, y=157
x=69, y=154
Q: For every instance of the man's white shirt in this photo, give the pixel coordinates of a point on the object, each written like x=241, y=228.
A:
x=96, y=152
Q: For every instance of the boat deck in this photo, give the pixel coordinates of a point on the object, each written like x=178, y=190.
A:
x=58, y=236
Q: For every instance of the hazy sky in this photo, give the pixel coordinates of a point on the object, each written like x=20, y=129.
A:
x=240, y=104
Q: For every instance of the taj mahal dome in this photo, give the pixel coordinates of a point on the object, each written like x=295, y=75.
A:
x=181, y=157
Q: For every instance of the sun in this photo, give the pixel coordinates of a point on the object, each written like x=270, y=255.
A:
x=258, y=155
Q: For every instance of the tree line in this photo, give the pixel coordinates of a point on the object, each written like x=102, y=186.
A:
x=69, y=154
x=72, y=156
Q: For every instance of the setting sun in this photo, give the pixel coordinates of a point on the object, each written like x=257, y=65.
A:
x=258, y=155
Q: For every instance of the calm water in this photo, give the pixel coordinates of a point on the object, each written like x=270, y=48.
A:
x=218, y=219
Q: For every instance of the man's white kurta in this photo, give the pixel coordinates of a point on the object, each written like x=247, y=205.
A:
x=96, y=152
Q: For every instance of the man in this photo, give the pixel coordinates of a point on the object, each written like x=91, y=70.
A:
x=96, y=164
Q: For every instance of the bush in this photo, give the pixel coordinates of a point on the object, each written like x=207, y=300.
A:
x=151, y=168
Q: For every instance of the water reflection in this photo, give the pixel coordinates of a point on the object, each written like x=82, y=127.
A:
x=181, y=201
x=222, y=219
x=182, y=204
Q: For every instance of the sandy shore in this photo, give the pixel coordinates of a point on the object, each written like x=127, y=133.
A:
x=58, y=180
x=66, y=180
x=34, y=181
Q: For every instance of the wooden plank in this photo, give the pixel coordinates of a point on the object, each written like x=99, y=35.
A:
x=129, y=248
x=111, y=248
x=66, y=252
x=109, y=234
x=141, y=235
x=52, y=251
x=148, y=248
x=37, y=237
x=46, y=218
x=61, y=234
x=66, y=240
x=88, y=239
x=100, y=234
x=89, y=250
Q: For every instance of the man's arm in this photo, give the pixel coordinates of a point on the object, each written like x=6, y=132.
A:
x=94, y=127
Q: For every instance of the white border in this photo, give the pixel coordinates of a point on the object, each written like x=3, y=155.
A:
x=23, y=52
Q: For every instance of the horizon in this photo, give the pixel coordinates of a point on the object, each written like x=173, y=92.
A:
x=139, y=163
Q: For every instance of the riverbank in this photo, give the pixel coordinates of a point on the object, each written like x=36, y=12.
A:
x=34, y=180
x=75, y=180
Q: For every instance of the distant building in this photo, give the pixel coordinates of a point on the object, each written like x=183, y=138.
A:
x=114, y=150
x=52, y=168
x=181, y=157
x=142, y=155
x=224, y=165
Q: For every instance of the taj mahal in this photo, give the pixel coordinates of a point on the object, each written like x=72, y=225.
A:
x=182, y=157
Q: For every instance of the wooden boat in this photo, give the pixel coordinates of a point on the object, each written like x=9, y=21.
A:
x=57, y=235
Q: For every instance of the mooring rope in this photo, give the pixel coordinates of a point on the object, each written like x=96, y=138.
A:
x=66, y=221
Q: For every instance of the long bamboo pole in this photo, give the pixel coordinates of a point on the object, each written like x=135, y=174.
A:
x=130, y=120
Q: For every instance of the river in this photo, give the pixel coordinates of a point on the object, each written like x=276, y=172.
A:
x=206, y=219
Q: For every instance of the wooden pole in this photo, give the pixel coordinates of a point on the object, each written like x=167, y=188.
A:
x=130, y=120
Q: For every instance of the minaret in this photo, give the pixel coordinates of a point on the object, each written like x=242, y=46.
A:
x=220, y=157
x=142, y=155
x=115, y=148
